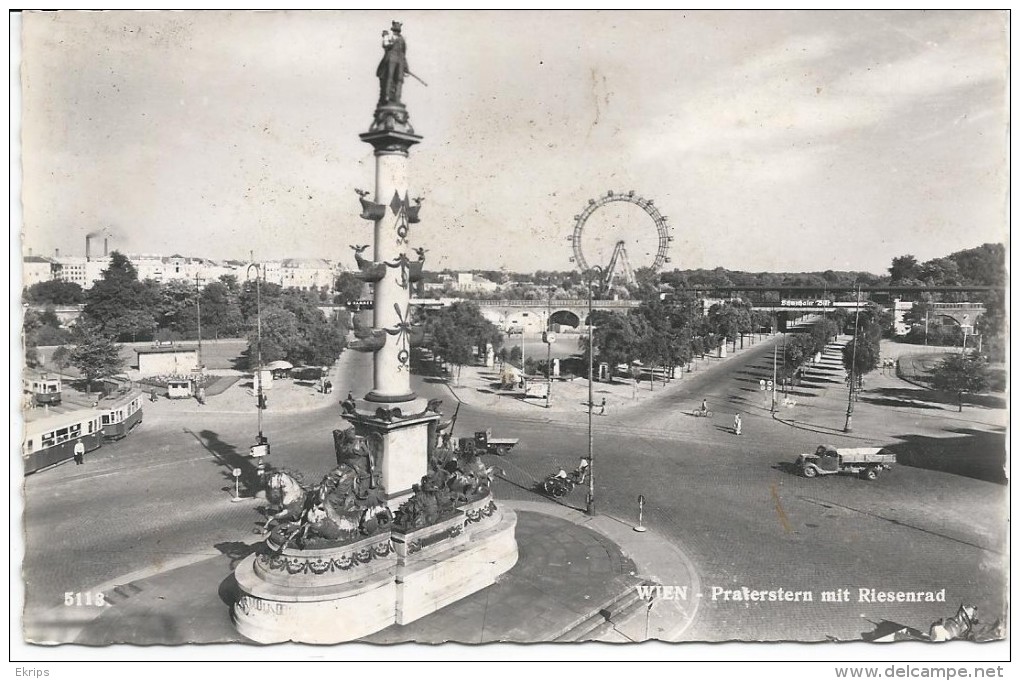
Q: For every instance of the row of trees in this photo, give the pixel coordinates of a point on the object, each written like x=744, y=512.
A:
x=981, y=266
x=454, y=333
x=671, y=332
x=120, y=308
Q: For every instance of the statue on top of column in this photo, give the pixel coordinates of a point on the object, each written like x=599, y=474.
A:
x=393, y=66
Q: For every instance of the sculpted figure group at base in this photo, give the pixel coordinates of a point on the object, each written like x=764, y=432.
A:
x=346, y=505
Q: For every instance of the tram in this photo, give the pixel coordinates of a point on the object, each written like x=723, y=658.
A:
x=45, y=389
x=122, y=412
x=51, y=439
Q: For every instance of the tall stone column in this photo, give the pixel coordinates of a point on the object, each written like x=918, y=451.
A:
x=391, y=370
x=391, y=414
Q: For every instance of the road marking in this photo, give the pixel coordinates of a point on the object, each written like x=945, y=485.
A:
x=128, y=469
x=783, y=520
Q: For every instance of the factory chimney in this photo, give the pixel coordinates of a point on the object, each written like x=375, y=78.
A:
x=56, y=252
x=106, y=247
x=88, y=247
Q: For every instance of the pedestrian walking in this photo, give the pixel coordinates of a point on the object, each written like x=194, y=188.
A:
x=79, y=452
x=602, y=407
x=201, y=396
x=737, y=423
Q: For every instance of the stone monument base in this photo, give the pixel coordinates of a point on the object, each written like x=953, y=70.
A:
x=339, y=594
x=473, y=561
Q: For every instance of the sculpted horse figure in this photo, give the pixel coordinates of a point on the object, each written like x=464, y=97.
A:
x=284, y=492
x=958, y=626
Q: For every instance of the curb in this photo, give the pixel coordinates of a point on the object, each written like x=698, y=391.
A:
x=641, y=549
x=71, y=627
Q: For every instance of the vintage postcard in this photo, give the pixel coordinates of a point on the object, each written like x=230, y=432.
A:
x=512, y=327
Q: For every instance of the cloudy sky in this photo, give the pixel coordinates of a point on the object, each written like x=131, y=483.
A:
x=771, y=140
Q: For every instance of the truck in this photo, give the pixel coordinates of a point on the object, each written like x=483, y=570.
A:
x=866, y=462
x=484, y=443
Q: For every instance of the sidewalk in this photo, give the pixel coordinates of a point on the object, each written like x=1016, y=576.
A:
x=884, y=404
x=574, y=573
x=282, y=395
x=478, y=386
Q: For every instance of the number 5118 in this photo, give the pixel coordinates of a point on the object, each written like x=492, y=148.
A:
x=76, y=598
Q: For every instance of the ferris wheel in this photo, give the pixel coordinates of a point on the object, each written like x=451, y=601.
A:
x=614, y=228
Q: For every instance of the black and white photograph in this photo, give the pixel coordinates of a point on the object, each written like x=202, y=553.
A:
x=337, y=328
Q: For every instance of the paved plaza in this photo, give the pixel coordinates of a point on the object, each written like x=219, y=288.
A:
x=163, y=533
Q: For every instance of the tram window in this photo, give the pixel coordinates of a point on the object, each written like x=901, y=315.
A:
x=76, y=430
x=29, y=445
x=61, y=434
x=48, y=441
x=106, y=420
x=91, y=423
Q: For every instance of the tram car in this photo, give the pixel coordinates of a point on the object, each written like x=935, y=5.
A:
x=122, y=412
x=45, y=389
x=51, y=439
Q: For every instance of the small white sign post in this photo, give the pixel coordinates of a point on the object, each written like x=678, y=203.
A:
x=640, y=514
x=237, y=484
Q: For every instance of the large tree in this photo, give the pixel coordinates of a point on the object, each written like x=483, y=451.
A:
x=221, y=315
x=959, y=374
x=95, y=353
x=296, y=330
x=119, y=305
x=347, y=287
x=454, y=332
x=730, y=319
x=177, y=311
x=862, y=354
x=616, y=338
x=54, y=292
x=903, y=268
x=42, y=328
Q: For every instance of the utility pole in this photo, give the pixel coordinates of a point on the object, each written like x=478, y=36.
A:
x=548, y=349
x=198, y=305
x=848, y=426
x=775, y=364
x=590, y=506
x=259, y=394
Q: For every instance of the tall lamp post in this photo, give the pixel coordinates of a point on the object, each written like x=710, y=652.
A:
x=848, y=426
x=261, y=448
x=198, y=314
x=548, y=348
x=590, y=506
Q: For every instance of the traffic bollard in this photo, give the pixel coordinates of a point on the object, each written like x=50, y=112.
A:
x=640, y=514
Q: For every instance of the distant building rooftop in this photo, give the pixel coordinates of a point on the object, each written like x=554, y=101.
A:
x=166, y=348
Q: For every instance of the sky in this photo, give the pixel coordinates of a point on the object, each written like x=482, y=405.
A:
x=773, y=140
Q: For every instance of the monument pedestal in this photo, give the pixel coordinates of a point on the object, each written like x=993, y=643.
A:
x=405, y=434
x=319, y=595
x=339, y=594
x=464, y=559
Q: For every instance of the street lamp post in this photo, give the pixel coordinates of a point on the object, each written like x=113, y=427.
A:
x=775, y=365
x=848, y=426
x=259, y=395
x=198, y=306
x=590, y=506
x=548, y=349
